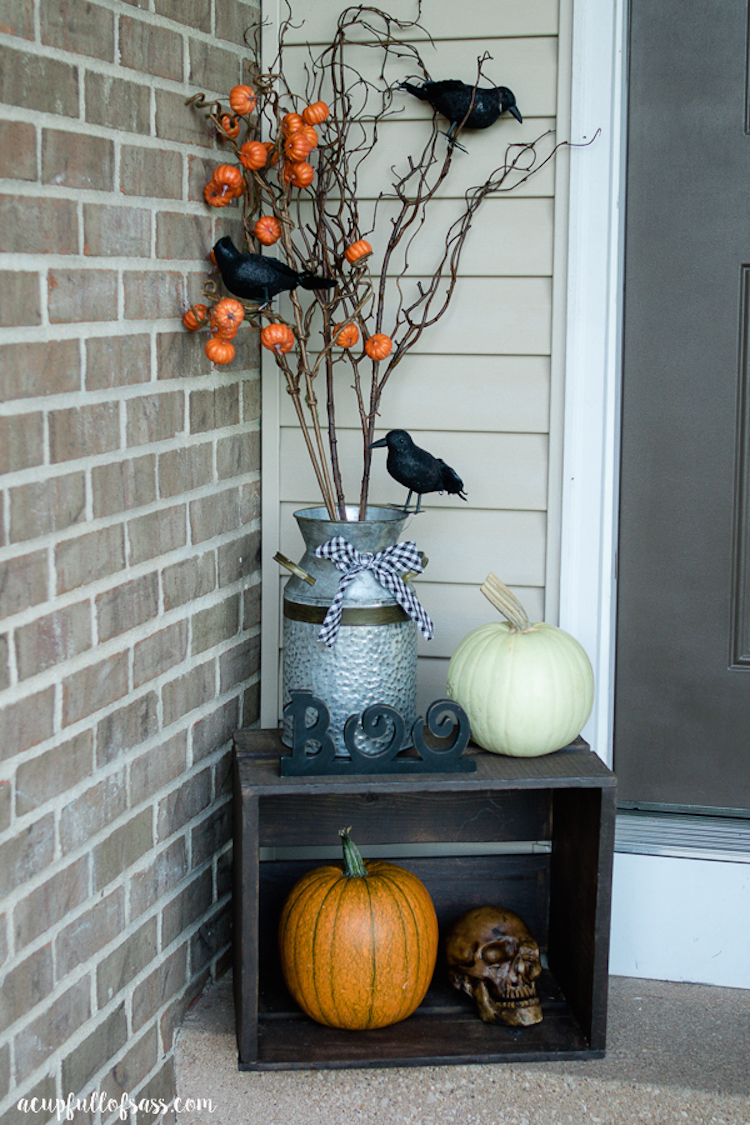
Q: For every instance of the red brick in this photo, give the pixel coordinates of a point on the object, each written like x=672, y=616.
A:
x=103, y=1044
x=152, y=295
x=239, y=559
x=188, y=580
x=165, y=871
x=251, y=399
x=89, y=557
x=127, y=727
x=24, y=581
x=159, y=652
x=82, y=295
x=21, y=442
x=77, y=160
x=251, y=607
x=48, y=904
x=184, y=694
x=155, y=417
x=92, y=811
x=21, y=303
x=181, y=124
x=150, y=172
x=17, y=150
x=60, y=1020
x=46, y=506
x=250, y=502
x=215, y=624
x=25, y=986
x=150, y=49
x=183, y=236
x=157, y=533
x=23, y=856
x=239, y=664
x=26, y=722
x=159, y=766
x=238, y=455
x=187, y=13
x=39, y=368
x=187, y=907
x=119, y=967
x=214, y=515
x=53, y=639
x=127, y=606
x=4, y=666
x=181, y=354
x=17, y=18
x=5, y=807
x=123, y=848
x=117, y=103
x=185, y=469
x=213, y=67
x=123, y=485
x=79, y=27
x=121, y=232
x=40, y=779
x=89, y=932
x=233, y=20
x=39, y=83
x=152, y=993
x=83, y=430
x=214, y=409
x=215, y=730
x=92, y=688
x=117, y=361
x=38, y=225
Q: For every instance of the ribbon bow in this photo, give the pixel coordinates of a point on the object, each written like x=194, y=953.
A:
x=385, y=566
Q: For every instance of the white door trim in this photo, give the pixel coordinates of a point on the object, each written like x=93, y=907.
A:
x=590, y=440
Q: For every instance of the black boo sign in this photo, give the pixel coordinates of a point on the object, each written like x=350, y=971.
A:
x=313, y=751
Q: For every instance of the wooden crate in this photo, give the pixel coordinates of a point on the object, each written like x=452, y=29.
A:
x=566, y=799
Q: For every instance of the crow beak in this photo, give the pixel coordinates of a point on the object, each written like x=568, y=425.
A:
x=516, y=112
x=379, y=444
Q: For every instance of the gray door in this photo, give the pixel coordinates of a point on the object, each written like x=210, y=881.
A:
x=682, y=700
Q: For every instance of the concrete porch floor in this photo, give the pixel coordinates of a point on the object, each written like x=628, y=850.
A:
x=678, y=1054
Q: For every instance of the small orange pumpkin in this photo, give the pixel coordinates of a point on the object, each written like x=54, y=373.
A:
x=253, y=155
x=219, y=350
x=290, y=122
x=227, y=316
x=230, y=175
x=358, y=945
x=267, y=230
x=379, y=346
x=277, y=337
x=297, y=146
x=195, y=317
x=347, y=336
x=242, y=99
x=359, y=251
x=316, y=113
x=303, y=174
x=216, y=194
x=311, y=134
x=230, y=125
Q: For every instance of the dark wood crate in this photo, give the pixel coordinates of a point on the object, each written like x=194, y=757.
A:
x=567, y=799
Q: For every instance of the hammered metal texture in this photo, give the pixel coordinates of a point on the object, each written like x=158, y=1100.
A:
x=368, y=663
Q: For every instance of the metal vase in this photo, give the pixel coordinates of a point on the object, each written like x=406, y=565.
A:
x=374, y=659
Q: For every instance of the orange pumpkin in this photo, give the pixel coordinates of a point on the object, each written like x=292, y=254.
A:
x=230, y=175
x=219, y=350
x=379, y=346
x=359, y=251
x=267, y=230
x=253, y=154
x=227, y=316
x=195, y=317
x=216, y=194
x=315, y=114
x=297, y=146
x=358, y=943
x=347, y=336
x=242, y=99
x=310, y=133
x=277, y=337
x=290, y=122
x=303, y=174
x=230, y=125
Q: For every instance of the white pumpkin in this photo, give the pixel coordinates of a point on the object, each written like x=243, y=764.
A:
x=527, y=689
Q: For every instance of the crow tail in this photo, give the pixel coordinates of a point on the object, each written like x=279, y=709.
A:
x=310, y=281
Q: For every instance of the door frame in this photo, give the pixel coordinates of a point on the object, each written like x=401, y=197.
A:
x=590, y=477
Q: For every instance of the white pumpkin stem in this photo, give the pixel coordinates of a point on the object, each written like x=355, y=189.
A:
x=506, y=601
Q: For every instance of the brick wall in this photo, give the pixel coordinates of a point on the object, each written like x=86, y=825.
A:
x=129, y=538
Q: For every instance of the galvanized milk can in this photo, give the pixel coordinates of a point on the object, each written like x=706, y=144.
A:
x=374, y=658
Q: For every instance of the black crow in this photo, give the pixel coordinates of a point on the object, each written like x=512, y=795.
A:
x=452, y=99
x=255, y=277
x=416, y=469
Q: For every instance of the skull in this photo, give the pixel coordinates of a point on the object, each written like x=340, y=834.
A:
x=493, y=956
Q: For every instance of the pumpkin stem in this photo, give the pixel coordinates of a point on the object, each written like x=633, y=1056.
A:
x=506, y=601
x=354, y=865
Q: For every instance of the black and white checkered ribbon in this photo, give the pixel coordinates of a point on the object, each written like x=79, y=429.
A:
x=385, y=566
